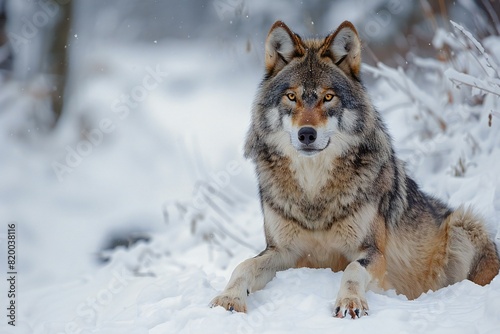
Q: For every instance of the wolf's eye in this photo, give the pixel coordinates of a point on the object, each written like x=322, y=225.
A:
x=328, y=97
x=291, y=96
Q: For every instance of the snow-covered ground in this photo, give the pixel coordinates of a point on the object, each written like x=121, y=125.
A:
x=169, y=166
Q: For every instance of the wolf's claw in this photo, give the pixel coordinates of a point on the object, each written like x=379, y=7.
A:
x=355, y=307
x=230, y=303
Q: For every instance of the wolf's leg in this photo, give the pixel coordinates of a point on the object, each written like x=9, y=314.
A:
x=355, y=281
x=368, y=269
x=251, y=275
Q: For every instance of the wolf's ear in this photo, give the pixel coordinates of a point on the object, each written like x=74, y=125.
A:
x=282, y=45
x=344, y=47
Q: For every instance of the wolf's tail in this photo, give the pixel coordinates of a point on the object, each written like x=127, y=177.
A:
x=471, y=246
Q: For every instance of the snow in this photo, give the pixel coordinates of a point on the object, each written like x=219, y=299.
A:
x=469, y=80
x=296, y=301
x=172, y=169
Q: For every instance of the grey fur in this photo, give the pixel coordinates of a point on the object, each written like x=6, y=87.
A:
x=352, y=201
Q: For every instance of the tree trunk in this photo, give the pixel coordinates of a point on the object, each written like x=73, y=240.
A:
x=5, y=52
x=58, y=57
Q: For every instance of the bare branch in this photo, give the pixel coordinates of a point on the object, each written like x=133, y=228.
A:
x=479, y=46
x=469, y=80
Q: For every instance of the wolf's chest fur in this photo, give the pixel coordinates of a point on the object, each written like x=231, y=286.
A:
x=316, y=192
x=327, y=248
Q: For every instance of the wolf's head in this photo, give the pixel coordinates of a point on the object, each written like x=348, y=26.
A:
x=311, y=99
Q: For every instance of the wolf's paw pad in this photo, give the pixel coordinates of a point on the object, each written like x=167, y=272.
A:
x=229, y=302
x=355, y=307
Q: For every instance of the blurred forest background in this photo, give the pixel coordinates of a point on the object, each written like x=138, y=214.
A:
x=122, y=124
x=183, y=73
x=45, y=44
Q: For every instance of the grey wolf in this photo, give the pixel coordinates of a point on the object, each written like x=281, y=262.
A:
x=334, y=194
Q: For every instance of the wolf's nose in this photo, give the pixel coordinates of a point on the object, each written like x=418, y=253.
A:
x=307, y=135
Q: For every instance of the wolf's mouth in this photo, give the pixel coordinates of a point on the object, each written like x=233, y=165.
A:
x=310, y=151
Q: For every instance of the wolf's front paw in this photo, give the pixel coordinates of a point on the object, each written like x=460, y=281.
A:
x=355, y=306
x=230, y=302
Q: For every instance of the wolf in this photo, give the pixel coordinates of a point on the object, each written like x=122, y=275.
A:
x=334, y=194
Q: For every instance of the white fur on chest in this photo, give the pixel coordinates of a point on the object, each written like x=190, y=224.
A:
x=311, y=173
x=344, y=237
